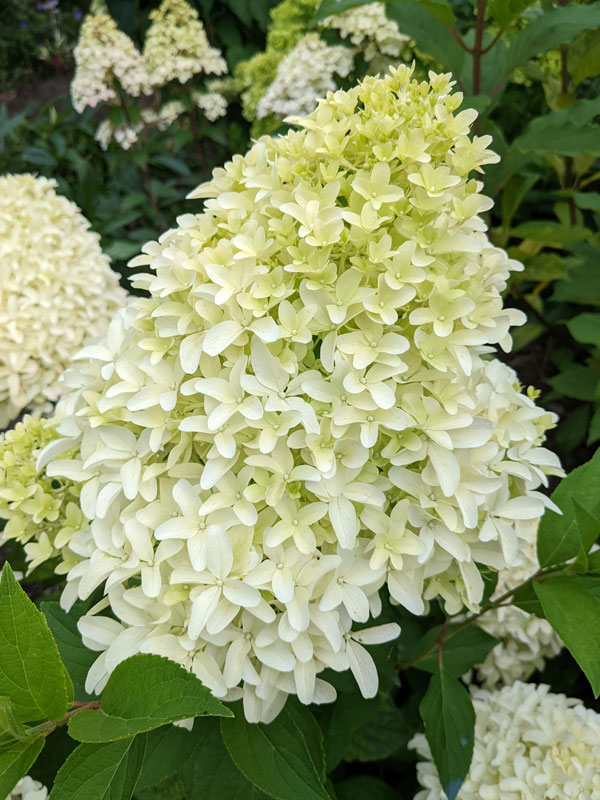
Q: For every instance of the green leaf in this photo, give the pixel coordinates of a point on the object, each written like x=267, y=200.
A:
x=105, y=771
x=16, y=761
x=167, y=750
x=122, y=249
x=211, y=773
x=144, y=692
x=285, y=759
x=588, y=201
x=567, y=131
x=439, y=9
x=174, y=164
x=76, y=657
x=584, y=56
x=503, y=12
x=513, y=195
x=526, y=599
x=550, y=232
x=582, y=284
x=574, y=613
x=31, y=672
x=585, y=328
x=11, y=730
x=556, y=26
x=364, y=787
x=449, y=719
x=578, y=382
x=331, y=7
x=561, y=536
x=594, y=429
x=429, y=34
x=460, y=651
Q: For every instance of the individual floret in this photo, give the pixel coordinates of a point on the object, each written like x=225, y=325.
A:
x=529, y=743
x=28, y=789
x=56, y=289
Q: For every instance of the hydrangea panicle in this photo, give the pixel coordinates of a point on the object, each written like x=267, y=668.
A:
x=305, y=408
x=529, y=743
x=56, y=288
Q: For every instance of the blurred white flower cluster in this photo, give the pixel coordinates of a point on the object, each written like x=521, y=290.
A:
x=529, y=743
x=103, y=55
x=176, y=46
x=304, y=75
x=56, y=288
x=110, y=69
x=28, y=789
x=526, y=641
x=305, y=407
x=369, y=29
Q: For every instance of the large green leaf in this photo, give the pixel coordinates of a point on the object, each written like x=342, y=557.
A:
x=563, y=536
x=449, y=719
x=460, y=651
x=550, y=232
x=503, y=12
x=285, y=759
x=584, y=56
x=31, y=672
x=167, y=750
x=556, y=26
x=588, y=201
x=105, y=771
x=568, y=131
x=578, y=382
x=16, y=761
x=429, y=34
x=211, y=773
x=143, y=693
x=76, y=657
x=574, y=613
x=585, y=328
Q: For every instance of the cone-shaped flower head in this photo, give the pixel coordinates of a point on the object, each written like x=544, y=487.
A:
x=176, y=46
x=103, y=55
x=305, y=409
x=56, y=288
x=529, y=743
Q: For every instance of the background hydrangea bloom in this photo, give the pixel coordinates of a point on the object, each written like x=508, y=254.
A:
x=526, y=641
x=176, y=46
x=104, y=54
x=369, y=28
x=56, y=288
x=528, y=743
x=305, y=408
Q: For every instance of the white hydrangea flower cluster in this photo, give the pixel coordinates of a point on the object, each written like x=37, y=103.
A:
x=56, y=288
x=369, y=28
x=529, y=743
x=28, y=789
x=305, y=408
x=303, y=75
x=526, y=641
x=103, y=54
x=212, y=104
x=176, y=46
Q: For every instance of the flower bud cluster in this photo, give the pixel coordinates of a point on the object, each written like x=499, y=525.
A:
x=305, y=408
x=56, y=288
x=304, y=75
x=529, y=743
x=42, y=513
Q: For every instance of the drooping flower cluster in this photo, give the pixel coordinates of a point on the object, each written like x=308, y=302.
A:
x=56, y=288
x=103, y=55
x=42, y=513
x=529, y=743
x=526, y=641
x=305, y=408
x=176, y=46
x=304, y=75
x=368, y=28
x=28, y=789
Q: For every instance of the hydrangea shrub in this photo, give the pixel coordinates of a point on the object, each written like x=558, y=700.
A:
x=306, y=410
x=56, y=289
